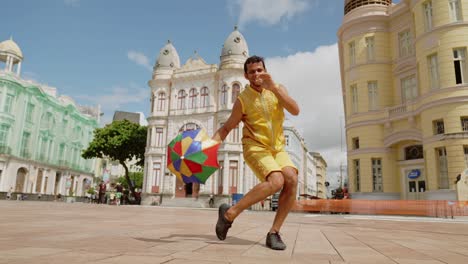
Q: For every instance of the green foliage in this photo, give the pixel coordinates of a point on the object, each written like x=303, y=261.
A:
x=136, y=177
x=120, y=141
x=91, y=190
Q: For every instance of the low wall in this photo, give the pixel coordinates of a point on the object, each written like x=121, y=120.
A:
x=439, y=208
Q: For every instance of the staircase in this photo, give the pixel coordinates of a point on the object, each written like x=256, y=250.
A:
x=185, y=202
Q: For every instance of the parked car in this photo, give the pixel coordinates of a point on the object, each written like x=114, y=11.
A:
x=274, y=201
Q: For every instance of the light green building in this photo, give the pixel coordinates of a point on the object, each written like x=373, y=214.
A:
x=41, y=134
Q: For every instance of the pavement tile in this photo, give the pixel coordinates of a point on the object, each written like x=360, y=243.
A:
x=44, y=233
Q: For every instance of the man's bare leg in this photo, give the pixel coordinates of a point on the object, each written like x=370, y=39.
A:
x=286, y=199
x=274, y=183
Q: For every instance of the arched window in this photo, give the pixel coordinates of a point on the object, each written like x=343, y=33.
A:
x=205, y=97
x=189, y=126
x=414, y=152
x=161, y=101
x=235, y=91
x=223, y=95
x=193, y=98
x=181, y=100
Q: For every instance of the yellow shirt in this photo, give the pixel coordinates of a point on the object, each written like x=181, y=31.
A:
x=263, y=118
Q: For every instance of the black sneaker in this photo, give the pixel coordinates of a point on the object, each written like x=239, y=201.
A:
x=274, y=241
x=223, y=225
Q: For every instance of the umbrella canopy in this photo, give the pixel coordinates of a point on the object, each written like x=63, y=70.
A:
x=193, y=156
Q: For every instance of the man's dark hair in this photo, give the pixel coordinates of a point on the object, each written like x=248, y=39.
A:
x=253, y=59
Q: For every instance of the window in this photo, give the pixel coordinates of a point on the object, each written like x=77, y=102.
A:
x=427, y=8
x=443, y=168
x=233, y=175
x=223, y=95
x=433, y=67
x=438, y=127
x=205, y=98
x=286, y=140
x=9, y=103
x=377, y=175
x=29, y=112
x=455, y=10
x=459, y=61
x=370, y=48
x=235, y=91
x=157, y=173
x=193, y=98
x=181, y=100
x=408, y=89
x=161, y=101
x=25, y=145
x=465, y=149
x=373, y=96
x=464, y=123
x=352, y=53
x=354, y=98
x=189, y=126
x=406, y=45
x=414, y=152
x=159, y=137
x=235, y=134
x=356, y=143
x=357, y=174
x=4, y=129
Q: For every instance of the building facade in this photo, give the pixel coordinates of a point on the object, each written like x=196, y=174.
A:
x=305, y=163
x=199, y=95
x=405, y=91
x=41, y=134
x=321, y=168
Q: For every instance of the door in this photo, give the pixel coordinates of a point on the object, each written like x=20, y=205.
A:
x=416, y=184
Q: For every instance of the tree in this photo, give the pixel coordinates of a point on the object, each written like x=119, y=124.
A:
x=135, y=177
x=121, y=141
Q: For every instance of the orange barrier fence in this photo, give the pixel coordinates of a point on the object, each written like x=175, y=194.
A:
x=386, y=207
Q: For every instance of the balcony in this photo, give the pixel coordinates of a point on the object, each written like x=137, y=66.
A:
x=397, y=110
x=5, y=150
x=64, y=163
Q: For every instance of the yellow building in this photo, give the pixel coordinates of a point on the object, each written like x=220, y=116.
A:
x=405, y=91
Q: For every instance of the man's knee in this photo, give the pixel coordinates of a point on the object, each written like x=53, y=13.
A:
x=276, y=181
x=290, y=177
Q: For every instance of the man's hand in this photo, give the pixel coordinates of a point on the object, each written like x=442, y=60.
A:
x=267, y=82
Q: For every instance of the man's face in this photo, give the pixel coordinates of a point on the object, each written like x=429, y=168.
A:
x=254, y=70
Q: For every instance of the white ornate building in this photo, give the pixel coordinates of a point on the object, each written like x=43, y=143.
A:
x=195, y=95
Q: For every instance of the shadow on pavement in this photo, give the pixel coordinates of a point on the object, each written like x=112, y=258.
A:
x=209, y=239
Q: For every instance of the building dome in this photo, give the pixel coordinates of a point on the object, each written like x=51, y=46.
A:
x=235, y=51
x=168, y=57
x=235, y=44
x=352, y=4
x=10, y=47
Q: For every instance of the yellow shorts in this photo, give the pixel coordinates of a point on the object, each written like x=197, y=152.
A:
x=263, y=162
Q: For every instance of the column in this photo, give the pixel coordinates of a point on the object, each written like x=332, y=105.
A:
x=6, y=63
x=18, y=69
x=11, y=64
x=153, y=136
x=226, y=174
x=240, y=183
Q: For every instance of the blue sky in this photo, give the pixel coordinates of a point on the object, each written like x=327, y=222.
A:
x=102, y=51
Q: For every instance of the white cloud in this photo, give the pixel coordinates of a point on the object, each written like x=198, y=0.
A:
x=140, y=59
x=270, y=12
x=73, y=3
x=116, y=99
x=313, y=80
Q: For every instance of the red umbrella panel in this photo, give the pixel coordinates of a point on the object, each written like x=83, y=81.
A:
x=193, y=156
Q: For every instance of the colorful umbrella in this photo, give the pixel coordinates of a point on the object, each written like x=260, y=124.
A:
x=193, y=156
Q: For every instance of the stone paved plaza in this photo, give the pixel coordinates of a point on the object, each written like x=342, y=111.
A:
x=50, y=232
